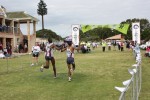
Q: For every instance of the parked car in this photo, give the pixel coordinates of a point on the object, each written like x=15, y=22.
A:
x=143, y=46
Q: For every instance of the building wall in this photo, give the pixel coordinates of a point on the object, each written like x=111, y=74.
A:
x=9, y=37
x=32, y=41
x=13, y=33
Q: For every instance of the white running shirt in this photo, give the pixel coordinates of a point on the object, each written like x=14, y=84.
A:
x=49, y=50
x=36, y=49
x=69, y=53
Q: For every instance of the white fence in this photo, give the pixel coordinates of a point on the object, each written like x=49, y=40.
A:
x=132, y=87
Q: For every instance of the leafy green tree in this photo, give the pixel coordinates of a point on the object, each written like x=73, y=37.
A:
x=48, y=34
x=42, y=10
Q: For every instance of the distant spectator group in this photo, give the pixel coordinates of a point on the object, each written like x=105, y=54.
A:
x=5, y=52
x=147, y=52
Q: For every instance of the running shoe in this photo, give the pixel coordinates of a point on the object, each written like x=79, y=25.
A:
x=69, y=79
x=55, y=77
x=32, y=64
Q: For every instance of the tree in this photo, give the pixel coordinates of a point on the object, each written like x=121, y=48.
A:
x=47, y=33
x=42, y=10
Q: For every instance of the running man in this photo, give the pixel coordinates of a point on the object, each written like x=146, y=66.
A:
x=70, y=58
x=49, y=56
x=35, y=53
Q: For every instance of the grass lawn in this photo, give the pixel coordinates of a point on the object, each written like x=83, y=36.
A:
x=96, y=75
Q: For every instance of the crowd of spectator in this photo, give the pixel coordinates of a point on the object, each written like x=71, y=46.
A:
x=5, y=52
x=147, y=51
x=8, y=29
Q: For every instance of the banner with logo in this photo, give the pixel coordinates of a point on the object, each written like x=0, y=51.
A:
x=75, y=34
x=123, y=28
x=136, y=32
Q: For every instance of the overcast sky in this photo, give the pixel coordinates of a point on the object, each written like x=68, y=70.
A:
x=63, y=13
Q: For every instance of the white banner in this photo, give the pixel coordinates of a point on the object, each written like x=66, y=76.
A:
x=136, y=32
x=75, y=34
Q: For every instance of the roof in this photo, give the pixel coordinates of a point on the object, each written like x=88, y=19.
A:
x=116, y=37
x=21, y=16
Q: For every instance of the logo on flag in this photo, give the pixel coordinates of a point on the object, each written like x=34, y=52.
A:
x=123, y=28
x=136, y=32
x=75, y=34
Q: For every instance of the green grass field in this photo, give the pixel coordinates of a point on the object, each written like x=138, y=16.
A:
x=96, y=75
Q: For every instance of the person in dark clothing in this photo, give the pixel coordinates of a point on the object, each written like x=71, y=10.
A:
x=1, y=46
x=9, y=48
x=21, y=48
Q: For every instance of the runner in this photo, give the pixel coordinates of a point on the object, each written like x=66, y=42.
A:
x=49, y=56
x=70, y=58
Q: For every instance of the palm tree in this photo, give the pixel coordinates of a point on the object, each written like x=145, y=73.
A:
x=42, y=10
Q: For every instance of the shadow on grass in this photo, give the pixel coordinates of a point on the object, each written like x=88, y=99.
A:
x=77, y=77
x=11, y=71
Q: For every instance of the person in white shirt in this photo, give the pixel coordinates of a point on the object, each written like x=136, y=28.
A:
x=49, y=56
x=109, y=45
x=2, y=54
x=35, y=53
x=93, y=45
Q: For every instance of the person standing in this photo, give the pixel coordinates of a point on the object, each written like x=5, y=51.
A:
x=88, y=46
x=93, y=45
x=35, y=53
x=148, y=43
x=1, y=46
x=1, y=51
x=21, y=49
x=121, y=45
x=25, y=47
x=109, y=45
x=103, y=45
x=49, y=56
x=9, y=49
x=114, y=44
x=128, y=45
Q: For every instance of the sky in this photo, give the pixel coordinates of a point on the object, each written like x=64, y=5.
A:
x=64, y=13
